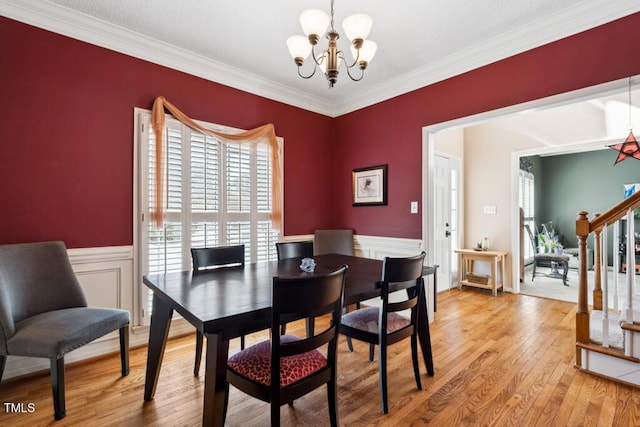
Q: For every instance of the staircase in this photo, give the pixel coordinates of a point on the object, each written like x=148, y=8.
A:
x=608, y=336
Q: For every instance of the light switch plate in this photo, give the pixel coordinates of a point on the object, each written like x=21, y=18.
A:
x=490, y=209
x=414, y=207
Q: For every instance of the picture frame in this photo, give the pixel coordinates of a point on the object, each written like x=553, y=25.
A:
x=369, y=186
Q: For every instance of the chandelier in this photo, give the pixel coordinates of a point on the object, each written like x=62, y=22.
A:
x=314, y=24
x=630, y=146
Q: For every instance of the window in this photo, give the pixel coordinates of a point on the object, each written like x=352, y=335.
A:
x=215, y=194
x=526, y=195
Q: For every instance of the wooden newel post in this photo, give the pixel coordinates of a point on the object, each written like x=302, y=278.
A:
x=582, y=314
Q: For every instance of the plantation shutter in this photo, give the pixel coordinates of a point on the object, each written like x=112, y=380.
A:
x=216, y=194
x=526, y=192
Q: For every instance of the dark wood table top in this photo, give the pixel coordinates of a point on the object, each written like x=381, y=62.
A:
x=222, y=299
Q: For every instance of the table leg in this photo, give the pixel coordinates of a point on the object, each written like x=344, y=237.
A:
x=215, y=381
x=503, y=271
x=423, y=331
x=158, y=332
x=460, y=271
x=494, y=277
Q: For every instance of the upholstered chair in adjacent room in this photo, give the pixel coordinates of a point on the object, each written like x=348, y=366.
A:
x=44, y=312
x=383, y=326
x=286, y=367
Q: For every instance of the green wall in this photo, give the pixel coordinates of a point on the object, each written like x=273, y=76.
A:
x=569, y=183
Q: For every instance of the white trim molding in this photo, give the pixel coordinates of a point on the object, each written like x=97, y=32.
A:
x=65, y=21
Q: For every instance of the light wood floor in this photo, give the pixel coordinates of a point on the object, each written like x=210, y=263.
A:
x=505, y=360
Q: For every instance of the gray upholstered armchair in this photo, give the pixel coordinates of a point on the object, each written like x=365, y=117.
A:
x=44, y=313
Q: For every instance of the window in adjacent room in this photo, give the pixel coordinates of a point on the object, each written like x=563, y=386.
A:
x=526, y=187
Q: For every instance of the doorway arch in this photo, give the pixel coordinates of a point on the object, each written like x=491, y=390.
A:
x=429, y=135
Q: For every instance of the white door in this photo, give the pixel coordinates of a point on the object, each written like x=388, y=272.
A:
x=445, y=218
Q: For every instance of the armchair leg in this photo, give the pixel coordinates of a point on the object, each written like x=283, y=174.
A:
x=3, y=362
x=124, y=350
x=57, y=384
x=199, y=340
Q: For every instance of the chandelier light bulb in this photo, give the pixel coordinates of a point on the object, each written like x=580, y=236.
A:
x=357, y=26
x=314, y=21
x=299, y=47
x=367, y=52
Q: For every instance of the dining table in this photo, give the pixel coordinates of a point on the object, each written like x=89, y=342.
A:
x=226, y=303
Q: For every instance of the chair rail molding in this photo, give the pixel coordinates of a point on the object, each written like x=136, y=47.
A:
x=106, y=276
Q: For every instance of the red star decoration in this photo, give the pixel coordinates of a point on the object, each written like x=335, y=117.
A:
x=629, y=148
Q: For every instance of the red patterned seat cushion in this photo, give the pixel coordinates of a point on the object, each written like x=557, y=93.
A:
x=366, y=319
x=254, y=363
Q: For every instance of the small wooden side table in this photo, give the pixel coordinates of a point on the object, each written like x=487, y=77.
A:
x=497, y=259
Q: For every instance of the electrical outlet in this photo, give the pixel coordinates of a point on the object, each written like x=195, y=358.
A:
x=414, y=207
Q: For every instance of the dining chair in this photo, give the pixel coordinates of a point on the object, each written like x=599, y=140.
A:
x=44, y=312
x=207, y=259
x=288, y=250
x=383, y=325
x=333, y=242
x=286, y=367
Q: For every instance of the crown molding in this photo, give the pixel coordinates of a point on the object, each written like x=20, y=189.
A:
x=70, y=23
x=571, y=21
x=88, y=29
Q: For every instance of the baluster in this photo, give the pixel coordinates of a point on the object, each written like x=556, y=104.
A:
x=605, y=287
x=631, y=272
x=616, y=265
x=597, y=286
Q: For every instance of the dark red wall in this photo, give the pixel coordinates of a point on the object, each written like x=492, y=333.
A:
x=66, y=139
x=391, y=132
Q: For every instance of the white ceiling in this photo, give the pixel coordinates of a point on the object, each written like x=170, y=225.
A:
x=242, y=43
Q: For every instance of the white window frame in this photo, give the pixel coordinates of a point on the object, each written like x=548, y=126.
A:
x=526, y=186
x=142, y=134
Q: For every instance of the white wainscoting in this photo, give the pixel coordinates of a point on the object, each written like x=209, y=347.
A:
x=107, y=278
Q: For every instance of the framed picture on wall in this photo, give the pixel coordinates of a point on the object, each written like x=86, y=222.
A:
x=369, y=186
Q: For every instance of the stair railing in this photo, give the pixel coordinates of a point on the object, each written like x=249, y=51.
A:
x=598, y=227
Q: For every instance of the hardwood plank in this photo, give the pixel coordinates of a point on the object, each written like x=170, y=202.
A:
x=505, y=360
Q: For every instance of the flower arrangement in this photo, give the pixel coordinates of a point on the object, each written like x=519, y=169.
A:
x=548, y=242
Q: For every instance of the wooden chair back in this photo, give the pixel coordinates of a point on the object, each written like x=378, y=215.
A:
x=288, y=250
x=217, y=256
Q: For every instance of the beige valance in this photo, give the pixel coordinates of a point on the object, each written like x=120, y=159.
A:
x=261, y=135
